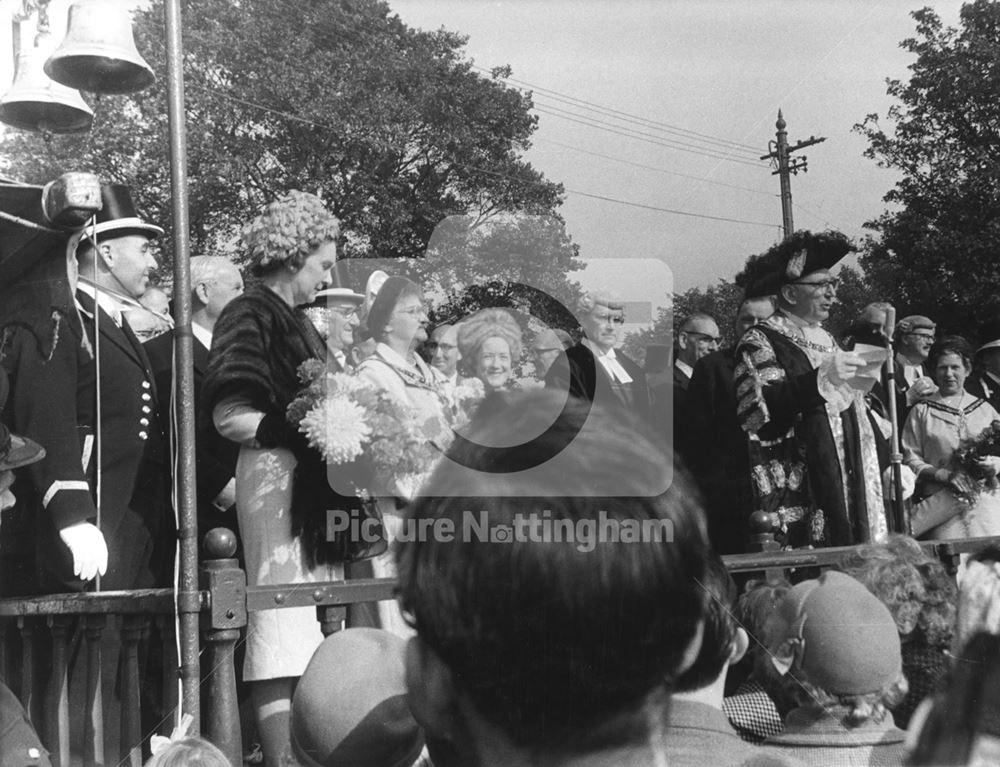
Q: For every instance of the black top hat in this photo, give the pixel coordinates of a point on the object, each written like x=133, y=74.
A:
x=118, y=216
x=15, y=451
x=794, y=257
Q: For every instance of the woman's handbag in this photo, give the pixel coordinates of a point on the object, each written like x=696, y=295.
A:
x=934, y=510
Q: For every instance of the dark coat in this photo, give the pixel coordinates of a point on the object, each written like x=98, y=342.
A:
x=585, y=378
x=717, y=451
x=215, y=457
x=54, y=402
x=981, y=385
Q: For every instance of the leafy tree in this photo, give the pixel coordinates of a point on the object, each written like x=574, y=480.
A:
x=935, y=251
x=390, y=125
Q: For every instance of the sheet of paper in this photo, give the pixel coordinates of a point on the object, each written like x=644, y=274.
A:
x=874, y=357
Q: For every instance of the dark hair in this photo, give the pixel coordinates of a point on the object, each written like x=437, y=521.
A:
x=720, y=627
x=968, y=707
x=557, y=646
x=949, y=345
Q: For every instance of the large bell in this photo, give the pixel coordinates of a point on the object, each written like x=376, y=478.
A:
x=98, y=53
x=36, y=103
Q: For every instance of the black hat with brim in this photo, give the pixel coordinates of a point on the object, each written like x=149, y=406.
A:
x=793, y=258
x=118, y=216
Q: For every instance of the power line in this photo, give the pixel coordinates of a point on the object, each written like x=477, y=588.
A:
x=625, y=115
x=699, y=179
x=497, y=174
x=640, y=136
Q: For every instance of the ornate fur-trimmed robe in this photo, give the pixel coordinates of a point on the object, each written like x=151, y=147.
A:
x=815, y=449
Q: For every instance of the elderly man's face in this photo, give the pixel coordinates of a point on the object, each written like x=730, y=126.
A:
x=444, y=342
x=218, y=292
x=916, y=344
x=811, y=297
x=699, y=337
x=602, y=324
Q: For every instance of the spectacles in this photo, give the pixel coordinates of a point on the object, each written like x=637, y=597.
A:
x=614, y=319
x=345, y=311
x=926, y=336
x=413, y=311
x=701, y=336
x=823, y=286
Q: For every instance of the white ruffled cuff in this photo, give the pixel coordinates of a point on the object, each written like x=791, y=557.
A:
x=840, y=397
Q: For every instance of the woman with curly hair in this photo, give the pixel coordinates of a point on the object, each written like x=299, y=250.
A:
x=935, y=428
x=490, y=343
x=259, y=342
x=921, y=597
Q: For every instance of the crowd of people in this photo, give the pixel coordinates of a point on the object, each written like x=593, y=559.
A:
x=527, y=649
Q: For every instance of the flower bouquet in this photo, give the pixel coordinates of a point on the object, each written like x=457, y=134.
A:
x=967, y=461
x=344, y=418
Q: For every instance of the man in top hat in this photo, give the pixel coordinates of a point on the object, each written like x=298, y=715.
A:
x=594, y=369
x=94, y=406
x=985, y=379
x=814, y=447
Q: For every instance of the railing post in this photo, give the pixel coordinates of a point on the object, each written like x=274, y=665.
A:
x=28, y=683
x=226, y=585
x=93, y=721
x=331, y=618
x=57, y=708
x=131, y=722
x=762, y=529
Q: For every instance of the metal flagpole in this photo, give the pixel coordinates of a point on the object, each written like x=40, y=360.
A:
x=900, y=521
x=187, y=588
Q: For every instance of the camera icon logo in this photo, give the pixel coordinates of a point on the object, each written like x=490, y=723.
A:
x=501, y=534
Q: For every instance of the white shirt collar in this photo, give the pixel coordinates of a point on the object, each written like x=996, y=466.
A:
x=685, y=368
x=204, y=335
x=609, y=361
x=110, y=303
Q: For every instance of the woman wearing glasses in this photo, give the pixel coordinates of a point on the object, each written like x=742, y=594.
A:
x=397, y=320
x=260, y=340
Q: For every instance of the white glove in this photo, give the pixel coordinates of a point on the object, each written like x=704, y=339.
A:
x=921, y=388
x=87, y=545
x=844, y=367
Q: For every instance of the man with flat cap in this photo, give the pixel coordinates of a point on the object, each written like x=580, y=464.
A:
x=814, y=446
x=913, y=340
x=93, y=405
x=985, y=379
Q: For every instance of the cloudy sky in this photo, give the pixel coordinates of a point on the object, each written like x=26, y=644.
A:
x=691, y=69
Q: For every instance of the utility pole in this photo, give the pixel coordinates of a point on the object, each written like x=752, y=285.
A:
x=780, y=152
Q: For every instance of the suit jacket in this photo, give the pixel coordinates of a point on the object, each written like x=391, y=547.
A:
x=718, y=450
x=981, y=385
x=586, y=378
x=215, y=457
x=54, y=401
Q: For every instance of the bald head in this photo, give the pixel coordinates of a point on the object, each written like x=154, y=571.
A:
x=698, y=336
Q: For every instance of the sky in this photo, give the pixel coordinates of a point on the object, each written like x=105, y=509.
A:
x=720, y=68
x=681, y=71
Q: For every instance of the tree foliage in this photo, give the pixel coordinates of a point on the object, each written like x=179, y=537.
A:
x=388, y=124
x=935, y=251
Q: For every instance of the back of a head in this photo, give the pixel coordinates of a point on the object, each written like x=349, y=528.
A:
x=962, y=725
x=189, y=752
x=550, y=640
x=978, y=597
x=719, y=627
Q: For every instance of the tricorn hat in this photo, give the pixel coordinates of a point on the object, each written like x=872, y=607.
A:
x=990, y=334
x=118, y=216
x=791, y=259
x=15, y=451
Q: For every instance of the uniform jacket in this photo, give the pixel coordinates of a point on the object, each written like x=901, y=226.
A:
x=55, y=403
x=979, y=384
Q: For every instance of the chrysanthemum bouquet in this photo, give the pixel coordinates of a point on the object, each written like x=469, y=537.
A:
x=345, y=418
